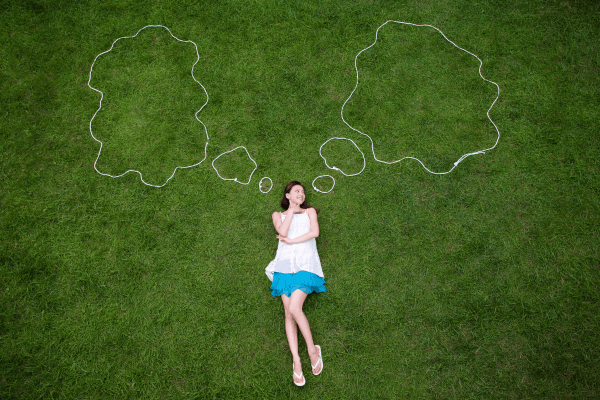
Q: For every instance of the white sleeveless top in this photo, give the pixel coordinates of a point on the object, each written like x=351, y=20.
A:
x=292, y=258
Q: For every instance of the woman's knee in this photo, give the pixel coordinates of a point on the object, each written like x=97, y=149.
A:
x=289, y=315
x=296, y=302
x=295, y=310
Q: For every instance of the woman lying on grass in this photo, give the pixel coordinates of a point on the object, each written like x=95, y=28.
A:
x=296, y=272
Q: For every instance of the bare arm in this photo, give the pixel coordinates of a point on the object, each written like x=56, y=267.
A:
x=282, y=227
x=313, y=233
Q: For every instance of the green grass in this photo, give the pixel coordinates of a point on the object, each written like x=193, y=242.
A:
x=482, y=283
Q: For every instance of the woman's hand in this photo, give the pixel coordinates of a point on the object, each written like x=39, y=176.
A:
x=285, y=239
x=293, y=208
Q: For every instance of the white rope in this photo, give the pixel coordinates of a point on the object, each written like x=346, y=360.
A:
x=195, y=115
x=413, y=158
x=320, y=149
x=336, y=168
x=321, y=176
x=235, y=179
x=260, y=183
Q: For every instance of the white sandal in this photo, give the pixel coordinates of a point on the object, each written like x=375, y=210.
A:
x=320, y=360
x=301, y=376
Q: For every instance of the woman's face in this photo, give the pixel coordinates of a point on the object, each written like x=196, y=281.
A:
x=296, y=195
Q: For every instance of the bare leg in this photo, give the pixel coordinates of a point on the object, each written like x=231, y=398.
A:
x=291, y=331
x=295, y=309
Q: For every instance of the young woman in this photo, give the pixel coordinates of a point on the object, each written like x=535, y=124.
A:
x=296, y=271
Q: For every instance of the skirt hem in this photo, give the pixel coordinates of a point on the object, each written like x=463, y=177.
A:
x=303, y=280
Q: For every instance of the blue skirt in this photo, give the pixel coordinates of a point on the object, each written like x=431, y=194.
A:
x=303, y=280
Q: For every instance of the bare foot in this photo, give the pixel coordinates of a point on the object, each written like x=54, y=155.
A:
x=314, y=358
x=297, y=371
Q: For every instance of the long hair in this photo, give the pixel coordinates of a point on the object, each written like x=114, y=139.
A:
x=285, y=203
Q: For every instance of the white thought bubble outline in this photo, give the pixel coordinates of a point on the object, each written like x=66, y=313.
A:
x=414, y=158
x=195, y=115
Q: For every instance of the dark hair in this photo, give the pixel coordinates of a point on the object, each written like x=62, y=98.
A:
x=285, y=203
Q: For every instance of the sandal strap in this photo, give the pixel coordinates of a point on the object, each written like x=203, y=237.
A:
x=319, y=360
x=314, y=367
x=299, y=376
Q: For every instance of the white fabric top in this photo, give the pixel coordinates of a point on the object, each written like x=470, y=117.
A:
x=292, y=258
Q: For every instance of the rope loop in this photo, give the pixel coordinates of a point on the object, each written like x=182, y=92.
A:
x=260, y=183
x=332, y=186
x=336, y=168
x=102, y=97
x=235, y=179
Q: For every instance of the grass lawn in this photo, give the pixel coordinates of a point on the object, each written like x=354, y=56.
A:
x=479, y=284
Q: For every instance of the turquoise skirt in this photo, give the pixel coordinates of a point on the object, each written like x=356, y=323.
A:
x=303, y=280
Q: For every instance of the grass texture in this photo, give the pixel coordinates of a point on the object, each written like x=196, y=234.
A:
x=479, y=284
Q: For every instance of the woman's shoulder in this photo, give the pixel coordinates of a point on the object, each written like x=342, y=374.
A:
x=279, y=214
